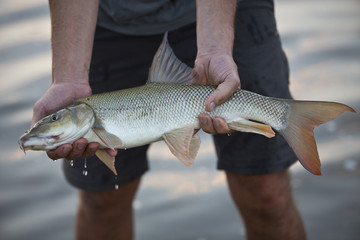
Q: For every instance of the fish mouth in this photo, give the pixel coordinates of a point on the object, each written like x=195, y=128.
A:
x=41, y=142
x=21, y=145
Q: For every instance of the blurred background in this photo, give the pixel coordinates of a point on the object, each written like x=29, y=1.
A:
x=322, y=41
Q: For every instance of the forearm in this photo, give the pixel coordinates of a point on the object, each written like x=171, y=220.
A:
x=215, y=26
x=72, y=32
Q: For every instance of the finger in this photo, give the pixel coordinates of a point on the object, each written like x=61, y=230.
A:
x=206, y=123
x=223, y=91
x=221, y=126
x=111, y=152
x=60, y=152
x=79, y=147
x=91, y=149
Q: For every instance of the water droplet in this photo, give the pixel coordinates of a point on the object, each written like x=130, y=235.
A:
x=55, y=160
x=72, y=163
x=116, y=186
x=125, y=148
x=85, y=163
x=229, y=134
x=85, y=173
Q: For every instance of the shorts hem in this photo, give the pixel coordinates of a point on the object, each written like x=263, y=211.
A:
x=246, y=170
x=93, y=184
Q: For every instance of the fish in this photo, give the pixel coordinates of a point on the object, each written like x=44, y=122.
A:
x=167, y=108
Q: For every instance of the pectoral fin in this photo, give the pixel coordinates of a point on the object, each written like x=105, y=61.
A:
x=108, y=160
x=183, y=144
x=253, y=127
x=110, y=140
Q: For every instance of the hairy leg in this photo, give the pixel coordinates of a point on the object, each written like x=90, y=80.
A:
x=267, y=206
x=106, y=215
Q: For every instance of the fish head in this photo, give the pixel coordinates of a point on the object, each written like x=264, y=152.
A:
x=64, y=126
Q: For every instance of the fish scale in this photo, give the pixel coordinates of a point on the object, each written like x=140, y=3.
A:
x=157, y=108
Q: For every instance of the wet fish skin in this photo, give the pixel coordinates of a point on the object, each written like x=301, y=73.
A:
x=144, y=114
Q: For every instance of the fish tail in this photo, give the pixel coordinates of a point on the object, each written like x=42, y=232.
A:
x=304, y=117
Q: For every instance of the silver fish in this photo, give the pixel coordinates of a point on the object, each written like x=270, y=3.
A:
x=167, y=108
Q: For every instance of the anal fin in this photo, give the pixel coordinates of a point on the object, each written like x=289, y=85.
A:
x=108, y=160
x=183, y=144
x=244, y=125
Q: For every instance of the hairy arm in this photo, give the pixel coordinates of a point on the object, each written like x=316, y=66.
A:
x=73, y=26
x=214, y=64
x=72, y=32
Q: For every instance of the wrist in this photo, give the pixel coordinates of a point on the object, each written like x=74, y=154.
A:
x=70, y=76
x=214, y=50
x=71, y=90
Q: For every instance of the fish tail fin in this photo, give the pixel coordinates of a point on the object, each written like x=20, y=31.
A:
x=304, y=117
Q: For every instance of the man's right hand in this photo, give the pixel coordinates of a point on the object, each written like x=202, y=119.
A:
x=55, y=98
x=58, y=96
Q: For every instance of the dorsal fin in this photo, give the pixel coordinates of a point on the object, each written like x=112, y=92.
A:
x=167, y=68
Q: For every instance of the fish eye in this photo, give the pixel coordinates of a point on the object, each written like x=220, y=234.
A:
x=54, y=117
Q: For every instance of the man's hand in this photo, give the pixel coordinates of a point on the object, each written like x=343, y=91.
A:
x=58, y=96
x=219, y=70
x=55, y=98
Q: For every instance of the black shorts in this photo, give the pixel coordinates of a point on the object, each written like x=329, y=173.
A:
x=122, y=61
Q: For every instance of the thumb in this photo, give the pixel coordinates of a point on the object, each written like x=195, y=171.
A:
x=223, y=91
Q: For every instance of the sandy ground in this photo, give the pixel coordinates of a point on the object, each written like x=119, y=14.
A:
x=322, y=41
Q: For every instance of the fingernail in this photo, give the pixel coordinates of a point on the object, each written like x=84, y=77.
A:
x=80, y=146
x=212, y=106
x=216, y=123
x=203, y=120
